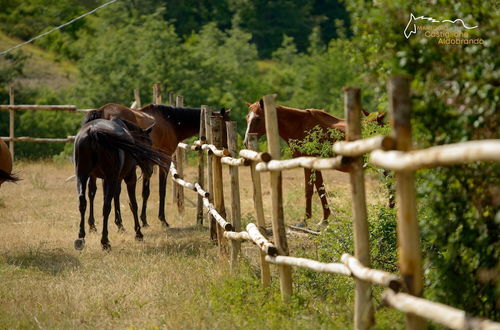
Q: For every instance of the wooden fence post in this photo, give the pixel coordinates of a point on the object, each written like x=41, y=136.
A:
x=11, y=122
x=232, y=140
x=179, y=165
x=210, y=181
x=137, y=98
x=265, y=272
x=410, y=255
x=171, y=102
x=363, y=311
x=218, y=190
x=279, y=229
x=201, y=168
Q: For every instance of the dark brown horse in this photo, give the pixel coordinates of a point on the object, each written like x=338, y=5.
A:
x=294, y=124
x=173, y=125
x=110, y=150
x=6, y=164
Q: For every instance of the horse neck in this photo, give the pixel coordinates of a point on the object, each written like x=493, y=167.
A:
x=291, y=123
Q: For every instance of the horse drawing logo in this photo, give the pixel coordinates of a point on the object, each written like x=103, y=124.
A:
x=411, y=27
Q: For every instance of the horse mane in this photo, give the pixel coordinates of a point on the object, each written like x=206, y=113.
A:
x=177, y=115
x=93, y=115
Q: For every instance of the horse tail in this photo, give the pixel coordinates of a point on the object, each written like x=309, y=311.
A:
x=92, y=115
x=144, y=154
x=6, y=177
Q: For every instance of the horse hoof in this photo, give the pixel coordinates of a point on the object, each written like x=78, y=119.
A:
x=139, y=237
x=322, y=223
x=79, y=244
x=165, y=224
x=121, y=229
x=106, y=246
x=145, y=224
x=93, y=229
x=302, y=224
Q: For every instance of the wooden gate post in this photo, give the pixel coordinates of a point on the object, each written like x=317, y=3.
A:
x=11, y=122
x=265, y=272
x=363, y=311
x=210, y=181
x=179, y=165
x=218, y=191
x=279, y=229
x=410, y=255
x=232, y=138
x=137, y=98
x=201, y=168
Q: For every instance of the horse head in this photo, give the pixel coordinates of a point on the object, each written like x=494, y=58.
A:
x=255, y=120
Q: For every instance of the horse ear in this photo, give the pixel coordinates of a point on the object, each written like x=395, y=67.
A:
x=222, y=111
x=248, y=104
x=149, y=129
x=261, y=103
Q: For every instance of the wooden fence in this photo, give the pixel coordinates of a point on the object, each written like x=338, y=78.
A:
x=12, y=108
x=403, y=292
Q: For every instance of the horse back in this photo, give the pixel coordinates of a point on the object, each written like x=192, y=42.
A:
x=326, y=120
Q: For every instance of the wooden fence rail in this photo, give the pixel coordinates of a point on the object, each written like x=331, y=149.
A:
x=403, y=160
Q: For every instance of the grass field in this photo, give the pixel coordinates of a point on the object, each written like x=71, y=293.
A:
x=173, y=279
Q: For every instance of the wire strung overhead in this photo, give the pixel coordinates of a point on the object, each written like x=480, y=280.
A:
x=57, y=27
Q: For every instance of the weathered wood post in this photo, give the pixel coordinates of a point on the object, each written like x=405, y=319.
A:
x=179, y=165
x=210, y=181
x=11, y=122
x=410, y=256
x=137, y=98
x=363, y=311
x=232, y=140
x=218, y=191
x=279, y=229
x=201, y=168
x=171, y=98
x=171, y=102
x=265, y=272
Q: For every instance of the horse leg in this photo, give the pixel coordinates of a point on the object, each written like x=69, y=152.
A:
x=81, y=186
x=163, y=173
x=118, y=214
x=109, y=192
x=320, y=187
x=92, y=192
x=131, y=182
x=309, y=190
x=145, y=196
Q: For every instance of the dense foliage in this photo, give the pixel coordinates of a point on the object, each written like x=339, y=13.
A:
x=224, y=53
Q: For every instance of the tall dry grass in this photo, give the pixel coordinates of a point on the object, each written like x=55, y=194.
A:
x=173, y=279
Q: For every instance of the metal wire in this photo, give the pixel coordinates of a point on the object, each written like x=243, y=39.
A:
x=58, y=27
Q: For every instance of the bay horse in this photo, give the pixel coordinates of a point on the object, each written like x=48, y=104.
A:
x=6, y=164
x=173, y=125
x=111, y=150
x=294, y=124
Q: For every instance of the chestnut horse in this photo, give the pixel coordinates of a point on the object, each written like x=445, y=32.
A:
x=110, y=150
x=172, y=125
x=294, y=124
x=6, y=164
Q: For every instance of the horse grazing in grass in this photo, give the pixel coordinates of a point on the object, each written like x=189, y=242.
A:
x=6, y=164
x=110, y=150
x=294, y=124
x=173, y=125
